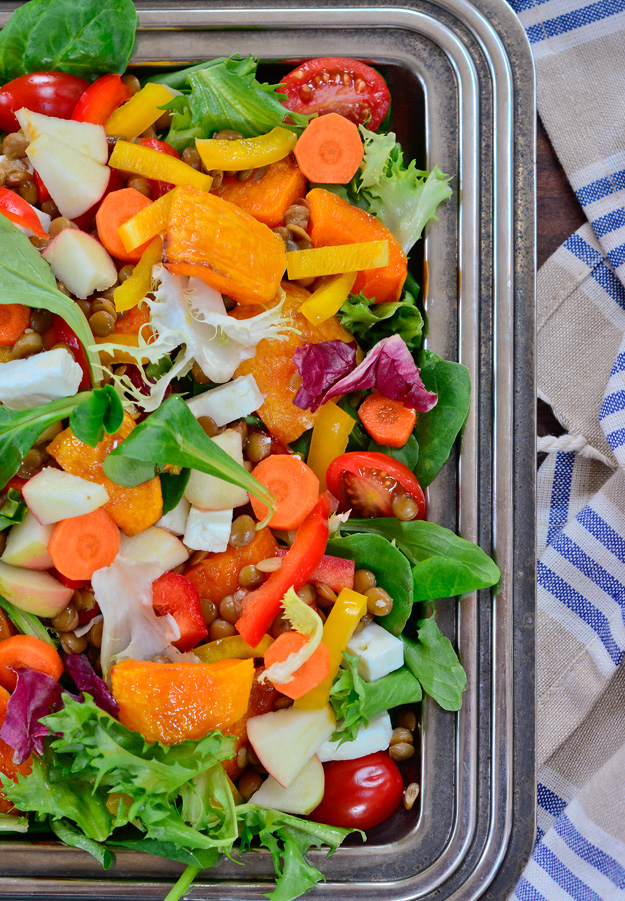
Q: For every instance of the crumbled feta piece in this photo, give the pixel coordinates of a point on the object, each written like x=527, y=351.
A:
x=228, y=402
x=380, y=652
x=208, y=530
x=376, y=736
x=39, y=379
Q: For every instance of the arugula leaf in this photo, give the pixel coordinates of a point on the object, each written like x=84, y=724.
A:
x=172, y=436
x=227, y=95
x=12, y=510
x=437, y=429
x=390, y=567
x=445, y=565
x=408, y=454
x=71, y=836
x=369, y=321
x=434, y=662
x=26, y=278
x=28, y=623
x=355, y=701
x=89, y=38
x=173, y=485
x=101, y=412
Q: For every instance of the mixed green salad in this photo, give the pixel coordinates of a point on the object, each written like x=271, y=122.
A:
x=217, y=422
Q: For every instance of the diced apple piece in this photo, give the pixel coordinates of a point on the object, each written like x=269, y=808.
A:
x=300, y=798
x=75, y=181
x=34, y=592
x=228, y=402
x=208, y=530
x=53, y=495
x=153, y=545
x=27, y=544
x=210, y=493
x=176, y=520
x=285, y=740
x=83, y=136
x=81, y=262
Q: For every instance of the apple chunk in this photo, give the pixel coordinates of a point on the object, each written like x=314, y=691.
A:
x=81, y=262
x=75, y=181
x=301, y=797
x=53, y=495
x=34, y=592
x=83, y=136
x=153, y=545
x=27, y=544
x=210, y=493
x=285, y=740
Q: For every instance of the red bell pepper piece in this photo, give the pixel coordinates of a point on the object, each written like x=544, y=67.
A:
x=42, y=191
x=16, y=483
x=263, y=605
x=100, y=100
x=20, y=212
x=173, y=593
x=63, y=334
x=160, y=187
x=70, y=583
x=333, y=571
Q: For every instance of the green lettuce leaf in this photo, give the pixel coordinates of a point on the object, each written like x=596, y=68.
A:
x=12, y=510
x=369, y=321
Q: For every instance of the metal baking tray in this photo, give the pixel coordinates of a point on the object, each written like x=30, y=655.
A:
x=462, y=83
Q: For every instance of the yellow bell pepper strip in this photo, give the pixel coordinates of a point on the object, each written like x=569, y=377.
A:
x=230, y=648
x=151, y=163
x=329, y=439
x=337, y=259
x=134, y=289
x=339, y=627
x=328, y=298
x=147, y=223
x=141, y=111
x=246, y=153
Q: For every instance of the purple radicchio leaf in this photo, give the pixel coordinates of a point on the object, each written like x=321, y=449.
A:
x=320, y=366
x=390, y=369
x=36, y=695
x=86, y=679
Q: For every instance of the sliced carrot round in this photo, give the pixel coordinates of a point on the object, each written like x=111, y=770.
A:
x=329, y=150
x=388, y=422
x=292, y=483
x=309, y=675
x=14, y=320
x=83, y=544
x=115, y=210
x=27, y=652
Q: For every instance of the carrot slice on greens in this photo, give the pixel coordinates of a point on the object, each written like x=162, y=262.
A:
x=309, y=675
x=115, y=210
x=83, y=544
x=330, y=150
x=293, y=484
x=27, y=652
x=14, y=320
x=389, y=422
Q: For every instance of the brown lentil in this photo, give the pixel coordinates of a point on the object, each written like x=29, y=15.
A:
x=244, y=174
x=411, y=793
x=257, y=447
x=400, y=734
x=250, y=577
x=164, y=121
x=218, y=176
x=38, y=243
x=279, y=625
x=248, y=783
x=241, y=428
x=401, y=751
x=13, y=173
x=228, y=609
x=60, y=224
x=28, y=191
x=102, y=323
x=14, y=146
x=149, y=133
x=242, y=758
x=407, y=719
x=95, y=634
x=247, y=464
x=379, y=602
x=62, y=287
x=209, y=610
x=140, y=184
x=209, y=425
x=220, y=628
x=298, y=214
x=283, y=703
x=325, y=595
x=198, y=375
x=132, y=82
x=40, y=321
x=252, y=759
x=66, y=620
x=125, y=272
x=197, y=557
x=32, y=463
x=83, y=600
x=295, y=382
x=227, y=134
x=50, y=207
x=243, y=531
x=192, y=158
x=270, y=565
x=307, y=593
x=105, y=305
x=73, y=644
x=404, y=507
x=363, y=580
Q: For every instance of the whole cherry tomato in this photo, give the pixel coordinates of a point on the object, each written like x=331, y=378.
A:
x=361, y=793
x=50, y=93
x=367, y=482
x=337, y=85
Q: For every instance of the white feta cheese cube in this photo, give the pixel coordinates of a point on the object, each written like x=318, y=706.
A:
x=228, y=402
x=376, y=736
x=39, y=379
x=380, y=652
x=208, y=530
x=176, y=520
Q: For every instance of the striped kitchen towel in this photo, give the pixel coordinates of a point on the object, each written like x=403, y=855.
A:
x=579, y=50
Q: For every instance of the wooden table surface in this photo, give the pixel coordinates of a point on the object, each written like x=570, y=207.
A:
x=558, y=215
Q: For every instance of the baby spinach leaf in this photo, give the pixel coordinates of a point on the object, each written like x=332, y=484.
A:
x=173, y=485
x=26, y=278
x=12, y=510
x=172, y=436
x=408, y=454
x=434, y=662
x=89, y=38
x=445, y=565
x=102, y=412
x=389, y=566
x=437, y=429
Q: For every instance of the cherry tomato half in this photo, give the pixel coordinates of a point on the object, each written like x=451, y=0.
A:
x=361, y=793
x=337, y=85
x=365, y=481
x=50, y=93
